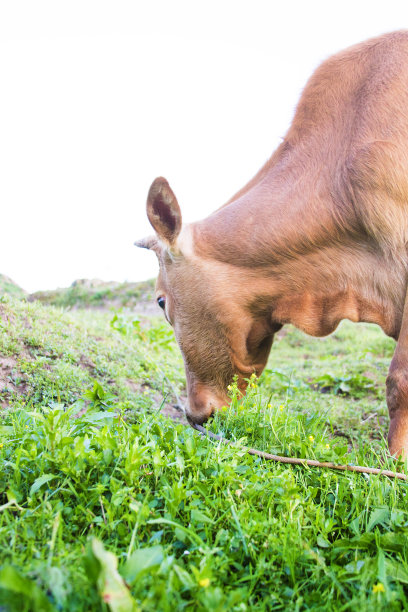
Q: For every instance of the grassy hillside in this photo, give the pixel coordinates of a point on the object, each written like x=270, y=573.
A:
x=9, y=287
x=106, y=503
x=98, y=294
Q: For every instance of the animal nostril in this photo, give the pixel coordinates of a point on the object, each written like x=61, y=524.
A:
x=161, y=302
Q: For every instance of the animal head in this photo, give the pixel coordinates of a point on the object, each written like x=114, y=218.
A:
x=208, y=305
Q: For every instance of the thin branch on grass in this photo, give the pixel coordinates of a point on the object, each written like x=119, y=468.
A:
x=304, y=462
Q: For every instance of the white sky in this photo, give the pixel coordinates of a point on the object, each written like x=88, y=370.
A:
x=98, y=98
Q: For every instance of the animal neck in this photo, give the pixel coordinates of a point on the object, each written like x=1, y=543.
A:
x=298, y=251
x=284, y=214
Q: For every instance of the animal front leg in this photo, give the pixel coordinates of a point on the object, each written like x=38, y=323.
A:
x=397, y=392
x=397, y=401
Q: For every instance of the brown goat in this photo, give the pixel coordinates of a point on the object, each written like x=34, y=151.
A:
x=318, y=235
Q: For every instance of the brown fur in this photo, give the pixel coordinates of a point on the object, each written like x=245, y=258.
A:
x=318, y=235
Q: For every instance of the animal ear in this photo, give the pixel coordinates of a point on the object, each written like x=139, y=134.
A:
x=150, y=242
x=163, y=211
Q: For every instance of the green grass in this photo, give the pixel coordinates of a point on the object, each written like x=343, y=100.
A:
x=120, y=508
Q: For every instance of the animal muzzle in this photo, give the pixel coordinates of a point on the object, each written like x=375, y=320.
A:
x=202, y=403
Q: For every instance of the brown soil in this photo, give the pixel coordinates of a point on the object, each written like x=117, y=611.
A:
x=9, y=374
x=170, y=410
x=87, y=364
x=6, y=317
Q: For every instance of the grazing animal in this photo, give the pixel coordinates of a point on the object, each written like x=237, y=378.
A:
x=318, y=235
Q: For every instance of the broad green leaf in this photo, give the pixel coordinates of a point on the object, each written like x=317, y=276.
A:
x=377, y=516
x=199, y=517
x=394, y=542
x=322, y=542
x=40, y=481
x=381, y=568
x=12, y=580
x=354, y=525
x=396, y=570
x=185, y=578
x=180, y=462
x=142, y=560
x=112, y=588
x=95, y=417
x=364, y=542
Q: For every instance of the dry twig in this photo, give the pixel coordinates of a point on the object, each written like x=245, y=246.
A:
x=308, y=462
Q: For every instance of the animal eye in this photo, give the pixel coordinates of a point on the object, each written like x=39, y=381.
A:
x=161, y=302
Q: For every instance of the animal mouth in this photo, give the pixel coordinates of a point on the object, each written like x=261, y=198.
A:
x=202, y=403
x=197, y=421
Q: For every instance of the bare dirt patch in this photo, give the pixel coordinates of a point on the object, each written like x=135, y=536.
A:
x=174, y=413
x=87, y=364
x=11, y=380
x=6, y=317
x=168, y=409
